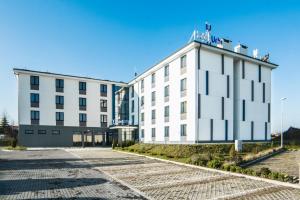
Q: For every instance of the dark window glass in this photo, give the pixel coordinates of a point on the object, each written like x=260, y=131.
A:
x=228, y=86
x=82, y=101
x=34, y=98
x=166, y=91
x=183, y=130
x=199, y=106
x=183, y=61
x=226, y=130
x=59, y=100
x=243, y=69
x=34, y=80
x=223, y=108
x=252, y=90
x=142, y=117
x=269, y=112
x=142, y=84
x=252, y=130
x=142, y=133
x=82, y=85
x=266, y=130
x=103, y=118
x=59, y=116
x=29, y=132
x=153, y=96
x=132, y=106
x=183, y=107
x=41, y=131
x=82, y=117
x=132, y=91
x=244, y=110
x=166, y=131
x=103, y=88
x=211, y=129
x=132, y=119
x=142, y=101
x=103, y=103
x=153, y=132
x=166, y=71
x=153, y=114
x=264, y=92
x=59, y=83
x=56, y=132
x=167, y=111
x=153, y=78
x=183, y=84
x=222, y=64
x=207, y=82
x=259, y=73
x=35, y=115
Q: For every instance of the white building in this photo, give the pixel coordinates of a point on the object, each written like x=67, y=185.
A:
x=201, y=93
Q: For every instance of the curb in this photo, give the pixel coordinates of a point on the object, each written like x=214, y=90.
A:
x=296, y=186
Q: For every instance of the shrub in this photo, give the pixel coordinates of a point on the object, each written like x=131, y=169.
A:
x=200, y=159
x=13, y=142
x=264, y=172
x=226, y=166
x=214, y=164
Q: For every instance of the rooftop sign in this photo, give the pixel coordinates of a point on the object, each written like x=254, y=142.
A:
x=206, y=37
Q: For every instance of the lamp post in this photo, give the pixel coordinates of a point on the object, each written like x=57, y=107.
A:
x=281, y=100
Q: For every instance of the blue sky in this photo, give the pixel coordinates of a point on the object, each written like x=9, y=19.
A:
x=112, y=39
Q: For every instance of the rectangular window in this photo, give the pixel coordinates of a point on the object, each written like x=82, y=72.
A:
x=35, y=115
x=103, y=118
x=103, y=90
x=269, y=112
x=132, y=91
x=166, y=71
x=82, y=117
x=153, y=78
x=142, y=133
x=183, y=130
x=153, y=114
x=132, y=119
x=252, y=130
x=183, y=61
x=252, y=90
x=59, y=100
x=223, y=108
x=211, y=129
x=142, y=84
x=153, y=96
x=264, y=92
x=259, y=73
x=34, y=98
x=243, y=69
x=228, y=86
x=82, y=86
x=183, y=107
x=59, y=116
x=34, y=80
x=223, y=64
x=244, y=110
x=29, y=132
x=226, y=130
x=183, y=84
x=132, y=106
x=59, y=84
x=55, y=132
x=166, y=93
x=153, y=132
x=82, y=101
x=266, y=130
x=207, y=82
x=199, y=106
x=103, y=105
x=142, y=101
x=142, y=117
x=42, y=132
x=167, y=131
x=167, y=111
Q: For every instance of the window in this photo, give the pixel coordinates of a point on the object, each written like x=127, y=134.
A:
x=167, y=111
x=132, y=106
x=252, y=129
x=59, y=100
x=142, y=133
x=59, y=116
x=223, y=108
x=166, y=92
x=207, y=82
x=264, y=92
x=226, y=130
x=266, y=130
x=153, y=96
x=82, y=117
x=34, y=98
x=103, y=90
x=34, y=80
x=244, y=110
x=103, y=120
x=42, y=132
x=55, y=132
x=243, y=69
x=35, y=115
x=82, y=86
x=132, y=119
x=183, y=61
x=142, y=117
x=211, y=129
x=269, y=112
x=228, y=87
x=132, y=91
x=183, y=107
x=29, y=132
x=199, y=106
x=59, y=83
x=252, y=90
x=142, y=85
x=166, y=71
x=222, y=63
x=82, y=101
x=259, y=73
x=153, y=132
x=183, y=84
x=153, y=78
x=183, y=130
x=142, y=101
x=153, y=114
x=103, y=105
x=167, y=131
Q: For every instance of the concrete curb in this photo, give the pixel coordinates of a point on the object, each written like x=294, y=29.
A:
x=296, y=186
x=110, y=176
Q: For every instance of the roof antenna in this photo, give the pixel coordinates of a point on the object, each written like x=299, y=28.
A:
x=135, y=73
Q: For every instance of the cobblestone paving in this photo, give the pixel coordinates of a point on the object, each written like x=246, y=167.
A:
x=162, y=180
x=55, y=174
x=287, y=162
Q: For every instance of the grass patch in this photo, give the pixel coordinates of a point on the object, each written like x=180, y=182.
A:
x=18, y=148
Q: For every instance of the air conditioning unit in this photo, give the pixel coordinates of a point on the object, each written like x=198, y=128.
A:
x=242, y=49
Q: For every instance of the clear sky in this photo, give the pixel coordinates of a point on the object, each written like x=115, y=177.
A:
x=112, y=39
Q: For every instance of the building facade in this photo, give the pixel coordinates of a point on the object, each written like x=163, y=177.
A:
x=200, y=94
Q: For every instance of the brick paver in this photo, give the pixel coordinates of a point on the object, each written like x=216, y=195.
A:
x=162, y=180
x=55, y=174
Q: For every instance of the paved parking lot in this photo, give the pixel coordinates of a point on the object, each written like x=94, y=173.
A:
x=104, y=174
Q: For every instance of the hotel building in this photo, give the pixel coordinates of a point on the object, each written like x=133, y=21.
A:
x=201, y=93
